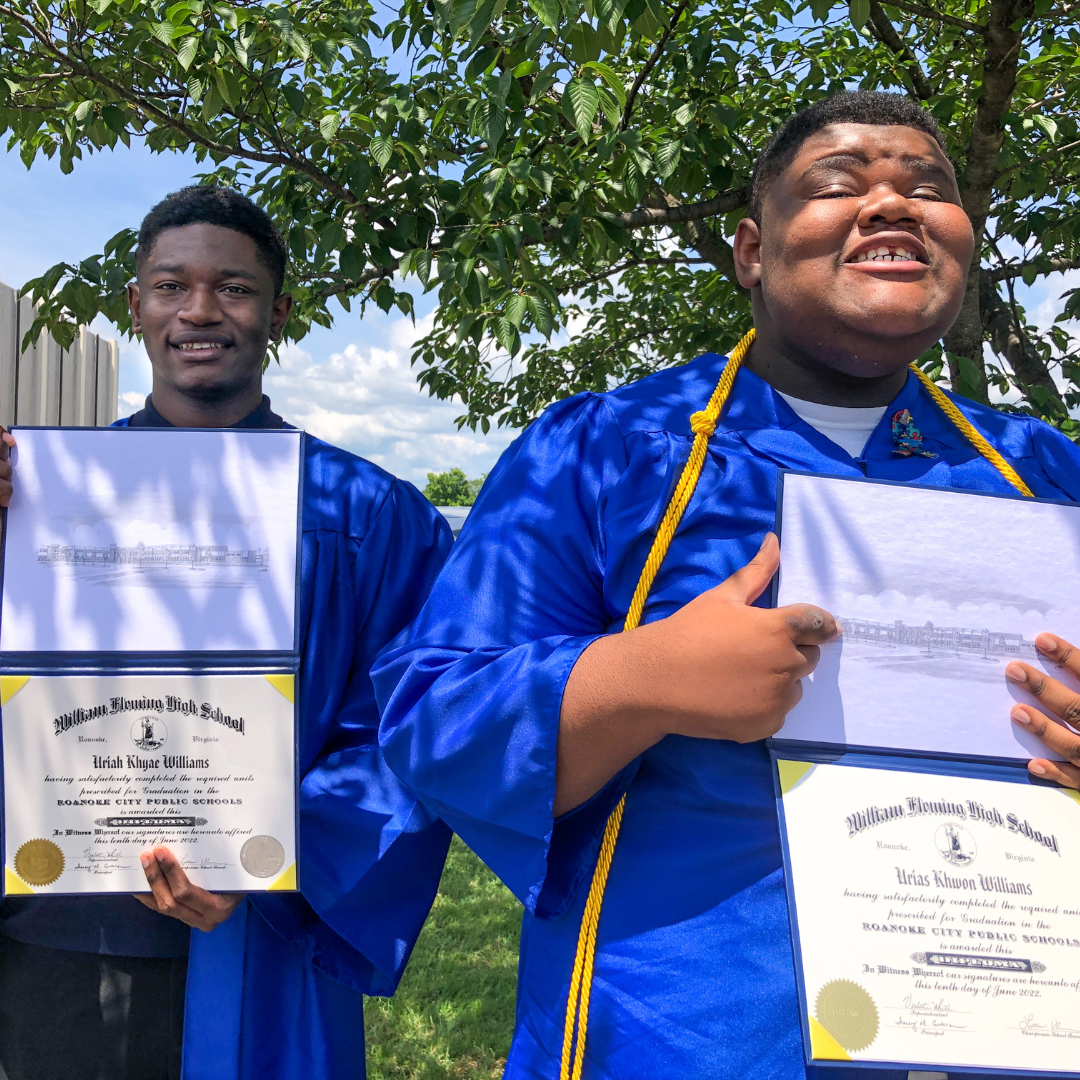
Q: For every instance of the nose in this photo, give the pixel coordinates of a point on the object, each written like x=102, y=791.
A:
x=884, y=205
x=200, y=307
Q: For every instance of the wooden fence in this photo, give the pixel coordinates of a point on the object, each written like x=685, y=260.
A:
x=47, y=385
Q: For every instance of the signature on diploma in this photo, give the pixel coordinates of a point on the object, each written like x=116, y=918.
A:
x=1051, y=1029
x=101, y=862
x=203, y=864
x=930, y=1016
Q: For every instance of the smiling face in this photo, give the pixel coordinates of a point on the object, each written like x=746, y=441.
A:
x=205, y=306
x=861, y=259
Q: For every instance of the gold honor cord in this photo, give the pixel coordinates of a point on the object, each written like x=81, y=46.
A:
x=703, y=424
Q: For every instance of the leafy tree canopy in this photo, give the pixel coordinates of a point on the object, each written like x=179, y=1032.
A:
x=547, y=166
x=452, y=488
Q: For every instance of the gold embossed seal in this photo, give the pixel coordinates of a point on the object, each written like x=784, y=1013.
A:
x=39, y=862
x=848, y=1014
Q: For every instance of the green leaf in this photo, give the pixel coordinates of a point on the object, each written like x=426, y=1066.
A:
x=580, y=102
x=858, y=12
x=489, y=122
x=1048, y=125
x=329, y=125
x=163, y=31
x=352, y=261
x=186, y=52
x=683, y=113
x=610, y=79
x=548, y=12
x=83, y=110
x=115, y=118
x=381, y=149
x=667, y=158
x=541, y=316
x=516, y=307
x=294, y=96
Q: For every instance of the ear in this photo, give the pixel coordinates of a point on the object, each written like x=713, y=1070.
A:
x=747, y=251
x=135, y=307
x=280, y=316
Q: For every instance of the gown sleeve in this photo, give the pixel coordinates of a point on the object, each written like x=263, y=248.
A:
x=370, y=855
x=471, y=698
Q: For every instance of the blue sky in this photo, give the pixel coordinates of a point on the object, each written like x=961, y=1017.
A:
x=351, y=384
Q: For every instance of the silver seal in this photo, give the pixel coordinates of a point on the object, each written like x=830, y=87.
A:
x=262, y=856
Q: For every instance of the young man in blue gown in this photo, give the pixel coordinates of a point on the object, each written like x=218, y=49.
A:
x=93, y=988
x=520, y=714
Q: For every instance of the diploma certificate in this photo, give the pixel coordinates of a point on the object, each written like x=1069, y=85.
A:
x=99, y=768
x=937, y=918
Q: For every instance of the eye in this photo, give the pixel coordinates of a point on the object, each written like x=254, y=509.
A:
x=168, y=286
x=236, y=290
x=926, y=192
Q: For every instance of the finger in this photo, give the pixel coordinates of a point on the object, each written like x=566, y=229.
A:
x=1056, y=736
x=163, y=900
x=7, y=441
x=191, y=896
x=1059, y=699
x=1059, y=651
x=809, y=625
x=750, y=581
x=810, y=654
x=1058, y=771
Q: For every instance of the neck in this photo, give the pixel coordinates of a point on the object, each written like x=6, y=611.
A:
x=800, y=375
x=182, y=410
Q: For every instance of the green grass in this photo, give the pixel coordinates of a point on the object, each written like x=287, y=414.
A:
x=452, y=1016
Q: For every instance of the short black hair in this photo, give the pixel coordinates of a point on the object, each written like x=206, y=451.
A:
x=200, y=204
x=846, y=107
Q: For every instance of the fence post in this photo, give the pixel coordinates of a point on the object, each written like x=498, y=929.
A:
x=47, y=385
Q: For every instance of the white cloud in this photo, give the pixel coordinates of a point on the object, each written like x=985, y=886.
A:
x=366, y=399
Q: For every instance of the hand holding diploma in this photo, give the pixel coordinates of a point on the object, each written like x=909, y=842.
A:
x=1062, y=702
x=7, y=441
x=173, y=894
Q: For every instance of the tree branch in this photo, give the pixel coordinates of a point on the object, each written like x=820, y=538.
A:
x=643, y=74
x=938, y=16
x=1009, y=271
x=671, y=214
x=1005, y=30
x=887, y=34
x=1007, y=339
x=574, y=286
x=291, y=159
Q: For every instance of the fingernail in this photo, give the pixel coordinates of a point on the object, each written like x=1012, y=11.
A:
x=1038, y=770
x=1016, y=673
x=1021, y=715
x=1045, y=643
x=145, y=860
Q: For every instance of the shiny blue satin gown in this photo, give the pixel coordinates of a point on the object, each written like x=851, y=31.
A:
x=694, y=975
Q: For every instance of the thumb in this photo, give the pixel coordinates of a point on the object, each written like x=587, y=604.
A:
x=748, y=583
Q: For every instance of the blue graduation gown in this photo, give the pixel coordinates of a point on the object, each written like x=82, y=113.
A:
x=276, y=990
x=694, y=974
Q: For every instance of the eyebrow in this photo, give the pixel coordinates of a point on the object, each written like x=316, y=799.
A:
x=161, y=268
x=854, y=158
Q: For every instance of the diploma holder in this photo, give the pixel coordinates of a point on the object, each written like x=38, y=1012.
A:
x=930, y=879
x=149, y=658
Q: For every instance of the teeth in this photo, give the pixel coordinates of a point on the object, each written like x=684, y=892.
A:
x=884, y=254
x=191, y=346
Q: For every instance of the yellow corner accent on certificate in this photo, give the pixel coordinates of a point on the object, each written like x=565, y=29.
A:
x=1072, y=793
x=285, y=685
x=791, y=772
x=10, y=685
x=823, y=1047
x=287, y=881
x=14, y=885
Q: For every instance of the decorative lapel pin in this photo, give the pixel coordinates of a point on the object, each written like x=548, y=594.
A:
x=906, y=436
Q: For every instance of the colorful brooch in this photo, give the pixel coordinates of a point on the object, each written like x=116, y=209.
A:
x=906, y=436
